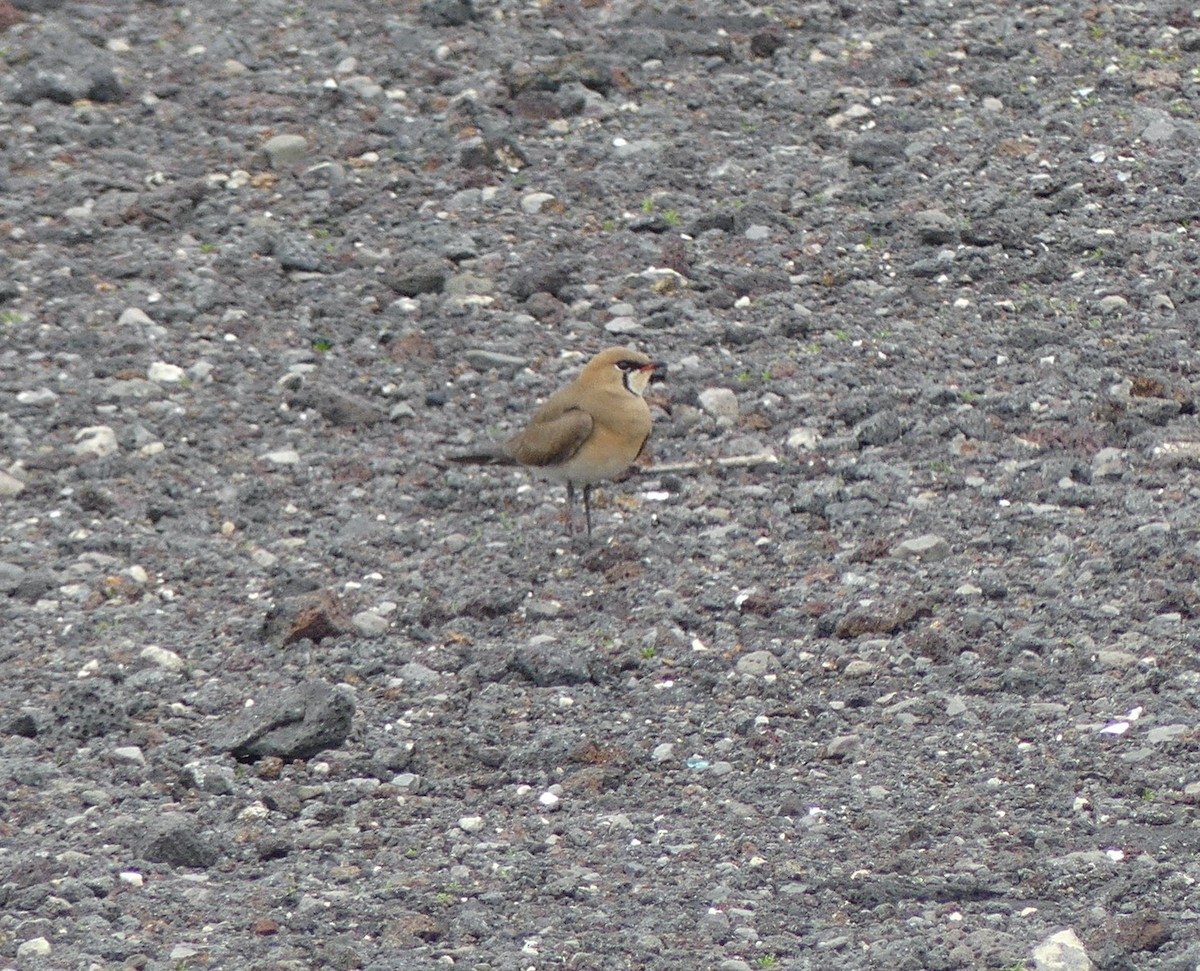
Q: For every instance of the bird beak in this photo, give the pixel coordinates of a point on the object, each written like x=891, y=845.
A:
x=658, y=371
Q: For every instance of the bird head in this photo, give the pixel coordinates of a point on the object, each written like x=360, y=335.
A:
x=632, y=369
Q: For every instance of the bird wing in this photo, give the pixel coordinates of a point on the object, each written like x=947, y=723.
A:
x=551, y=439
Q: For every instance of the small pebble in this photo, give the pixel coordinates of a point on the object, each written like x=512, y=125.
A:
x=470, y=824
x=534, y=202
x=721, y=403
x=929, y=548
x=370, y=624
x=134, y=317
x=163, y=658
x=858, y=668
x=10, y=485
x=42, y=396
x=282, y=456
x=98, y=440
x=129, y=753
x=37, y=947
x=163, y=373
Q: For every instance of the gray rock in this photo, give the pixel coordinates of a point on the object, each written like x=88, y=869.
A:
x=934, y=227
x=483, y=360
x=757, y=663
x=296, y=723
x=208, y=776
x=882, y=428
x=721, y=403
x=11, y=575
x=1062, y=951
x=928, y=548
x=285, y=151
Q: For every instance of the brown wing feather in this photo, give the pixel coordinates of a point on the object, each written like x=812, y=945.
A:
x=550, y=441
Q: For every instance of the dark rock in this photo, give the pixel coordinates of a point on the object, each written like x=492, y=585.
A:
x=447, y=13
x=174, y=839
x=312, y=616
x=548, y=278
x=294, y=724
x=88, y=709
x=876, y=152
x=415, y=278
x=551, y=665
x=766, y=42
x=723, y=221
x=23, y=724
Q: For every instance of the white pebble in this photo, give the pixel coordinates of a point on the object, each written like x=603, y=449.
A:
x=282, y=456
x=134, y=316
x=42, y=396
x=131, y=878
x=535, y=202
x=129, y=753
x=470, y=824
x=161, y=372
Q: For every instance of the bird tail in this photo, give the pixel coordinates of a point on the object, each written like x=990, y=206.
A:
x=490, y=456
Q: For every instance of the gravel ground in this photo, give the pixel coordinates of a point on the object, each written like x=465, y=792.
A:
x=915, y=687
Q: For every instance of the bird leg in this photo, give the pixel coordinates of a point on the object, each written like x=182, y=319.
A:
x=587, y=508
x=570, y=508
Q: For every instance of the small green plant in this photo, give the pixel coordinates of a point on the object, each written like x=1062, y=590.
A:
x=743, y=376
x=672, y=218
x=648, y=653
x=322, y=344
x=969, y=397
x=1015, y=966
x=767, y=961
x=208, y=247
x=647, y=206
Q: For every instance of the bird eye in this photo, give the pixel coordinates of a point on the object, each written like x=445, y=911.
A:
x=628, y=366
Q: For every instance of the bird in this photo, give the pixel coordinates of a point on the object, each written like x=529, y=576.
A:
x=592, y=429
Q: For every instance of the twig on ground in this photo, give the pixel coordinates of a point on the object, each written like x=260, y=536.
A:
x=727, y=462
